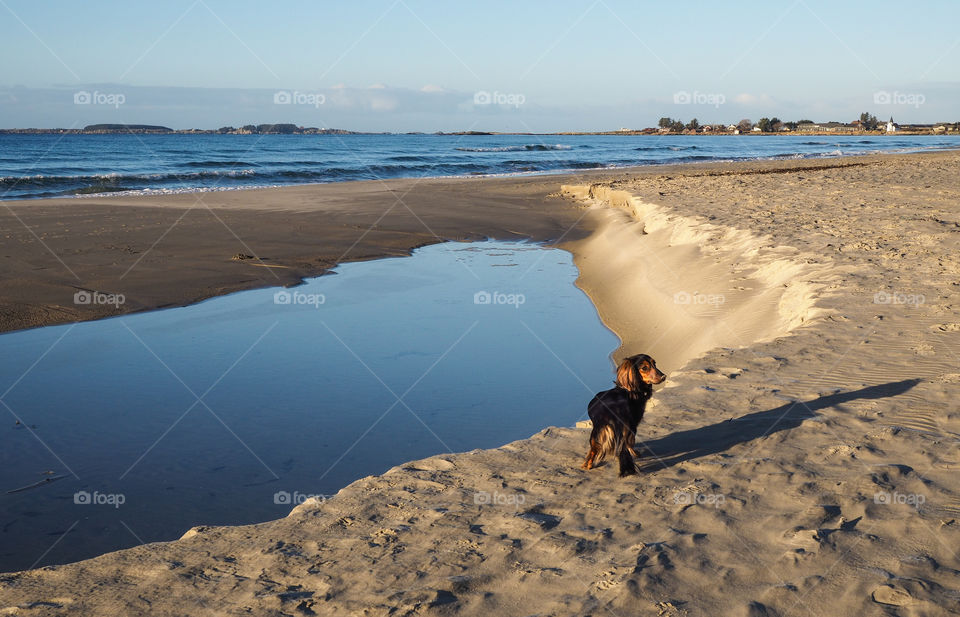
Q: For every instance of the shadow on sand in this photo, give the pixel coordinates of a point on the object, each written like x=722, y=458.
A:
x=694, y=443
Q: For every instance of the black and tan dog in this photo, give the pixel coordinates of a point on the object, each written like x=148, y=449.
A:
x=617, y=412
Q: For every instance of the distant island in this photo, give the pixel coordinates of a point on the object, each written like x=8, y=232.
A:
x=151, y=129
x=867, y=124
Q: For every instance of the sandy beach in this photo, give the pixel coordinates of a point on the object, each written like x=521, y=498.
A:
x=800, y=460
x=177, y=249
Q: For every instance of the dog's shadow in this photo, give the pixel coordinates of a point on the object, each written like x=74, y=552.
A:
x=714, y=438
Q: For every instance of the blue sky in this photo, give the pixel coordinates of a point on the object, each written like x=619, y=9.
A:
x=409, y=65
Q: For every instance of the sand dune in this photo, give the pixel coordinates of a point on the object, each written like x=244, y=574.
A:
x=802, y=458
x=681, y=285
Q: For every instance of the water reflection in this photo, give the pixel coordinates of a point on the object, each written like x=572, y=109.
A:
x=228, y=411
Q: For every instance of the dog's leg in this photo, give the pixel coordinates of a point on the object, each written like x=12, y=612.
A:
x=632, y=443
x=627, y=466
x=592, y=454
x=624, y=448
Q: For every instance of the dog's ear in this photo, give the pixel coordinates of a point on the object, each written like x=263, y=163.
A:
x=628, y=377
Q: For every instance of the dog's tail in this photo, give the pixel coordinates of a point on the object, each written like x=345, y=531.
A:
x=611, y=440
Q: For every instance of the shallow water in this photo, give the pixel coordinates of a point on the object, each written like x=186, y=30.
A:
x=232, y=410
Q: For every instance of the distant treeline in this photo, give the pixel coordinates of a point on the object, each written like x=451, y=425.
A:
x=866, y=123
x=280, y=129
x=126, y=128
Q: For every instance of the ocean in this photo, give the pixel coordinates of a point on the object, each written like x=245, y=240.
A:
x=44, y=166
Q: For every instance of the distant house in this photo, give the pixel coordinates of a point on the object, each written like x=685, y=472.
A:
x=833, y=127
x=826, y=127
x=757, y=129
x=892, y=126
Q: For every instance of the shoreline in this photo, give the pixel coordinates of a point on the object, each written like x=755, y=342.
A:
x=649, y=131
x=765, y=451
x=481, y=176
x=156, y=265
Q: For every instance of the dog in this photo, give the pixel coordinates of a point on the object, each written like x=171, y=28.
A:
x=617, y=412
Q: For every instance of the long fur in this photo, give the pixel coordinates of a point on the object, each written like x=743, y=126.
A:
x=606, y=439
x=617, y=412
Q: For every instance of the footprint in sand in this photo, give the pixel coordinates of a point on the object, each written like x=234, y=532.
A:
x=948, y=378
x=605, y=585
x=888, y=594
x=805, y=539
x=947, y=327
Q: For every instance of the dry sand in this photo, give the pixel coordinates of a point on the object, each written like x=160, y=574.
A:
x=802, y=458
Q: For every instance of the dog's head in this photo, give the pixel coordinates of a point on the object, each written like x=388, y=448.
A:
x=637, y=370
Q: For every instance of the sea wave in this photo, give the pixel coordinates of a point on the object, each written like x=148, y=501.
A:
x=789, y=155
x=177, y=191
x=40, y=180
x=409, y=158
x=693, y=158
x=218, y=164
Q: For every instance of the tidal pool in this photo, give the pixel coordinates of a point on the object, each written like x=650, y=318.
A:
x=134, y=429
